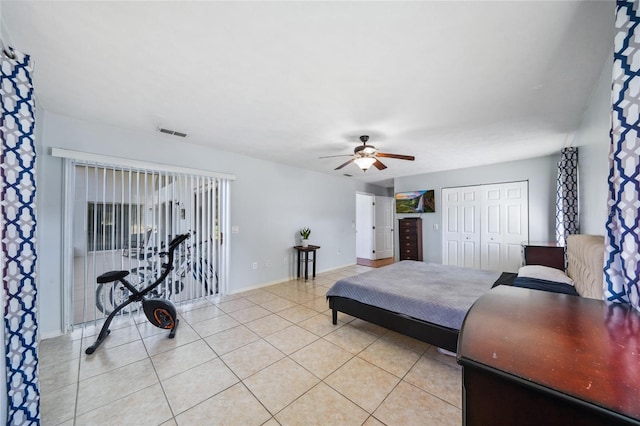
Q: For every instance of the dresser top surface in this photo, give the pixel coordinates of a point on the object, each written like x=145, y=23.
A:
x=584, y=348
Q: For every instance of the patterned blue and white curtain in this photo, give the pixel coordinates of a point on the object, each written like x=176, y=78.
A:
x=567, y=195
x=18, y=225
x=622, y=262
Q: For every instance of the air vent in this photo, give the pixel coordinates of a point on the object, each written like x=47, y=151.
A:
x=172, y=132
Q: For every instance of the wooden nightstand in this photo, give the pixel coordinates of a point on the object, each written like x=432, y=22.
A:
x=546, y=254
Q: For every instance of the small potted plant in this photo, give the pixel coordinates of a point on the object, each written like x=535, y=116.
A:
x=304, y=233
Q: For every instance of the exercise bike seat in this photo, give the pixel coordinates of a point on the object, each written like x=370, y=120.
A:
x=110, y=276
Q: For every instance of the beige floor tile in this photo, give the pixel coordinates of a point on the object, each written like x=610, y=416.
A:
x=297, y=314
x=391, y=357
x=214, y=325
x=107, y=359
x=251, y=358
x=55, y=376
x=363, y=383
x=321, y=357
x=207, y=379
x=232, y=339
x=271, y=422
x=56, y=350
x=322, y=406
x=319, y=304
x=234, y=406
x=291, y=339
x=279, y=304
x=351, y=339
x=437, y=378
x=58, y=406
x=301, y=296
x=144, y=407
x=268, y=325
x=259, y=296
x=117, y=337
x=280, y=384
x=320, y=325
x=170, y=422
x=159, y=343
x=407, y=403
x=249, y=314
x=372, y=421
x=182, y=358
x=234, y=305
x=115, y=384
x=201, y=314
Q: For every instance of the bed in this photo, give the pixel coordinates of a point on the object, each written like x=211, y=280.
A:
x=429, y=301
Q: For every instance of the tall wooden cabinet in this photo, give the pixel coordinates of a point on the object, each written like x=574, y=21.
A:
x=410, y=239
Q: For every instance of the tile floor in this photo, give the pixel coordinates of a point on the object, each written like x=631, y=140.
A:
x=263, y=357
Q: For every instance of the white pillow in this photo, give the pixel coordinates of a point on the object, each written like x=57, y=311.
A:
x=544, y=273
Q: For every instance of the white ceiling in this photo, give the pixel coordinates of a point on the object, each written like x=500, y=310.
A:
x=454, y=83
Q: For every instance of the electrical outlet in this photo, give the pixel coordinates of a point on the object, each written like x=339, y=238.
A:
x=255, y=265
x=267, y=263
x=435, y=226
x=339, y=252
x=235, y=229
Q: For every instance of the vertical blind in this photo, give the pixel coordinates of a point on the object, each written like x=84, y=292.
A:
x=123, y=218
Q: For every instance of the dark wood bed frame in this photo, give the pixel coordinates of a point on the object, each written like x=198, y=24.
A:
x=437, y=335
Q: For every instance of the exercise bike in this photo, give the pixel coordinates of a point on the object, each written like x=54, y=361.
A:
x=160, y=312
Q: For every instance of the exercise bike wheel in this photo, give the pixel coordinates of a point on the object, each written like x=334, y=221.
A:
x=110, y=295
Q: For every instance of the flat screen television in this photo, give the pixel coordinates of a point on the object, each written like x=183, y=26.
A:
x=415, y=202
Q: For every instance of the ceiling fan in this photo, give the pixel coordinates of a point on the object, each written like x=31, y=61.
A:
x=366, y=156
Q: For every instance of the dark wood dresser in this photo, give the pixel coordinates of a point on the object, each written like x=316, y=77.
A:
x=546, y=254
x=537, y=358
x=410, y=239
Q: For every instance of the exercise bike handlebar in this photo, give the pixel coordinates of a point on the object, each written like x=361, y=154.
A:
x=166, y=267
x=177, y=240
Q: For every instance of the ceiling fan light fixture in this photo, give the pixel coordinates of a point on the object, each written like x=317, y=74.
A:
x=365, y=162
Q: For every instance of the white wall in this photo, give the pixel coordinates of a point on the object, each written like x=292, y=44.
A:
x=541, y=173
x=594, y=141
x=269, y=203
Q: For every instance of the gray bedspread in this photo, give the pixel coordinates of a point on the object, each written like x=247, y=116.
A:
x=440, y=294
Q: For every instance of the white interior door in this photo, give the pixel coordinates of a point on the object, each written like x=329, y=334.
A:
x=383, y=227
x=364, y=226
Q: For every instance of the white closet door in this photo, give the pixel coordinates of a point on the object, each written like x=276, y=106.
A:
x=461, y=232
x=484, y=226
x=504, y=225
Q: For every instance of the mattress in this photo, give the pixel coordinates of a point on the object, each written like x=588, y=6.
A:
x=440, y=294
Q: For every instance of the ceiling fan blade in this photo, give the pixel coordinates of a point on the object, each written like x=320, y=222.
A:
x=334, y=156
x=378, y=165
x=398, y=156
x=345, y=164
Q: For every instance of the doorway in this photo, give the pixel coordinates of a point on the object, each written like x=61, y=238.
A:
x=374, y=228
